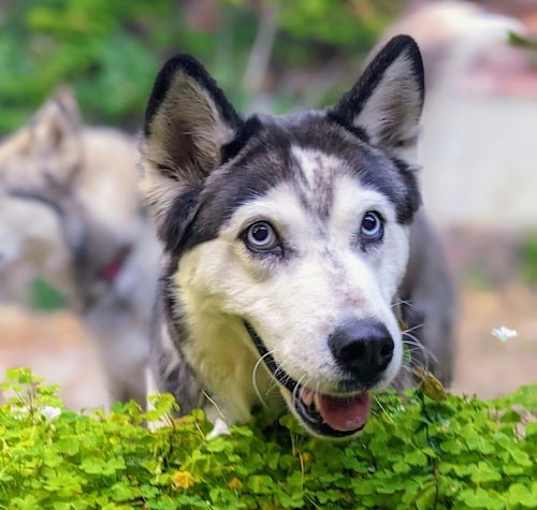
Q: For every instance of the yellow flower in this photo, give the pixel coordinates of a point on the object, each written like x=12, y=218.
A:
x=307, y=457
x=234, y=484
x=183, y=480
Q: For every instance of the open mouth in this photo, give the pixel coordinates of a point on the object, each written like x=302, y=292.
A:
x=332, y=416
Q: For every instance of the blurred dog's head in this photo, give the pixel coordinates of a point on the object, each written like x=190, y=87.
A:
x=77, y=189
x=291, y=230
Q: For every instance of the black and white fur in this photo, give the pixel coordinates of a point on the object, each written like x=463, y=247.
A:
x=235, y=328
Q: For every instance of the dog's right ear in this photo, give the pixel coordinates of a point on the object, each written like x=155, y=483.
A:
x=187, y=122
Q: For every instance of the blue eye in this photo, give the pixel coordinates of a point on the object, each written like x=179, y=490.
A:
x=372, y=228
x=261, y=236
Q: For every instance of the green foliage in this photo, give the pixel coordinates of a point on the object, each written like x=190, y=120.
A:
x=523, y=42
x=350, y=26
x=110, y=50
x=45, y=297
x=416, y=452
x=529, y=259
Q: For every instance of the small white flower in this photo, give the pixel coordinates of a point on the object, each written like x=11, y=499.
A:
x=220, y=428
x=503, y=333
x=50, y=412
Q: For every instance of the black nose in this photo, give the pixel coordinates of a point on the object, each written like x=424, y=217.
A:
x=362, y=347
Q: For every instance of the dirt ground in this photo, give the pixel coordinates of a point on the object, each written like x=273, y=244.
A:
x=485, y=365
x=57, y=347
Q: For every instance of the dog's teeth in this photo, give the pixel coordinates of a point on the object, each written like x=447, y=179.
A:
x=316, y=402
x=306, y=396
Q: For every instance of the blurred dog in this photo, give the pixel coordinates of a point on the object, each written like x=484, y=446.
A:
x=287, y=241
x=71, y=213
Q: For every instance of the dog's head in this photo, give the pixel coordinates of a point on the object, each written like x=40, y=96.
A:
x=83, y=184
x=296, y=226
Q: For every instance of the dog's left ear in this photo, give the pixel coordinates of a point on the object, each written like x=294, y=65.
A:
x=387, y=100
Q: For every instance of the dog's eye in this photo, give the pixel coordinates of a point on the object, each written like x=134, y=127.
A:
x=261, y=237
x=372, y=228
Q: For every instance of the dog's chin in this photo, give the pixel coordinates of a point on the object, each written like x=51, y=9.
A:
x=329, y=416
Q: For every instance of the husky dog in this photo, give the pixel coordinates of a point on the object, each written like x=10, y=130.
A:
x=71, y=213
x=286, y=242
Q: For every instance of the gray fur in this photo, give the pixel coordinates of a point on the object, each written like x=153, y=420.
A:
x=176, y=376
x=429, y=293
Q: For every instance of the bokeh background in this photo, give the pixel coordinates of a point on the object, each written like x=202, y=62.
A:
x=478, y=150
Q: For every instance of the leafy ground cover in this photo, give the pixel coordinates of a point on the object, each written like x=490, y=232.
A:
x=426, y=449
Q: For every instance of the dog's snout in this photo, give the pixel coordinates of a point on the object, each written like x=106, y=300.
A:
x=362, y=347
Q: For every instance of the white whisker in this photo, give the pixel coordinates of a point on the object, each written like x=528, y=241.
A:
x=402, y=302
x=413, y=328
x=295, y=389
x=382, y=409
x=254, y=377
x=428, y=354
x=213, y=402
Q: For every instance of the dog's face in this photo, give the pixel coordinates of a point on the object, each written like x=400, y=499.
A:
x=294, y=228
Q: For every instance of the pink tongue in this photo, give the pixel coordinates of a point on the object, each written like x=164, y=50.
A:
x=344, y=414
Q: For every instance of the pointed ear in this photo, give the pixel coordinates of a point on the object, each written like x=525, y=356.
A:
x=57, y=120
x=387, y=100
x=49, y=147
x=187, y=122
x=56, y=133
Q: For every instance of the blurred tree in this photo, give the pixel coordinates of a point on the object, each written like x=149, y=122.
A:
x=110, y=50
x=347, y=24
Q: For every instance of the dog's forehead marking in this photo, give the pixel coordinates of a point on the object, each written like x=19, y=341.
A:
x=319, y=171
x=315, y=164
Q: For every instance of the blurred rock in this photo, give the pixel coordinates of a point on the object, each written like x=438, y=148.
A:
x=480, y=119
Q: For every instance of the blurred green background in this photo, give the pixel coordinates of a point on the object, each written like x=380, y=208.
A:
x=110, y=50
